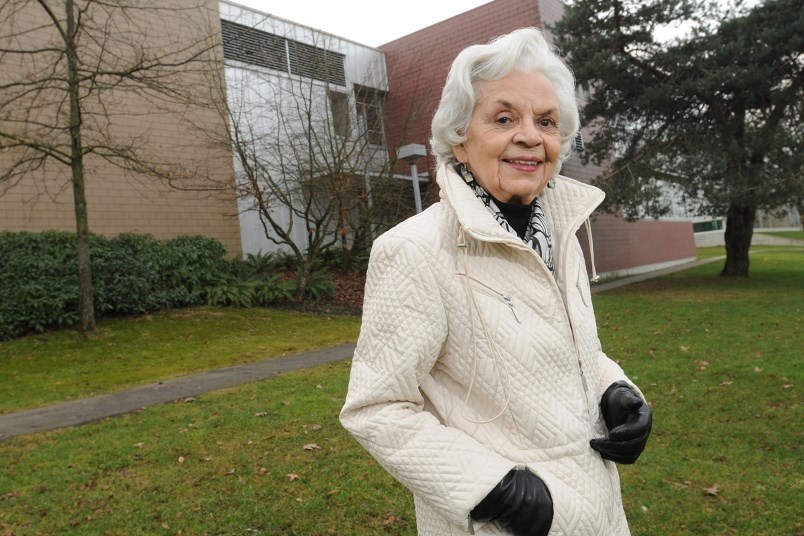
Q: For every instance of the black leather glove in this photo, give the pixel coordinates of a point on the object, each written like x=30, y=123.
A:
x=520, y=504
x=629, y=420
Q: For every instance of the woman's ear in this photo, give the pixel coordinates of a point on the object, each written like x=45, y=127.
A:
x=460, y=153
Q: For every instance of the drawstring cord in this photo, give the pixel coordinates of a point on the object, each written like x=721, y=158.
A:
x=473, y=307
x=588, y=224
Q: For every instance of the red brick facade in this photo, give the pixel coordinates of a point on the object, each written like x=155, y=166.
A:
x=417, y=68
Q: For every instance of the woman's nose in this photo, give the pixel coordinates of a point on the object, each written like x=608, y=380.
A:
x=528, y=134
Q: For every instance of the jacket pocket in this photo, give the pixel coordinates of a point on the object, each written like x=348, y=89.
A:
x=476, y=285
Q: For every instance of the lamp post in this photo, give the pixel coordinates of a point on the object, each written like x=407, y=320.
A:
x=411, y=154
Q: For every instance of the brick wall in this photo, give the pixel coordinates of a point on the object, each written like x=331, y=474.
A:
x=417, y=68
x=118, y=202
x=418, y=63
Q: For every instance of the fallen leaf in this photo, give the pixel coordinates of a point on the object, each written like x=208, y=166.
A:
x=681, y=485
x=684, y=348
x=703, y=364
x=315, y=427
x=757, y=369
x=712, y=490
x=390, y=520
x=312, y=446
x=319, y=386
x=261, y=414
x=286, y=402
x=726, y=383
x=189, y=399
x=181, y=459
x=292, y=477
x=139, y=445
x=262, y=471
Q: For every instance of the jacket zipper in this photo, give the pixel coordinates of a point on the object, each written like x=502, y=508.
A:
x=567, y=315
x=510, y=302
x=505, y=297
x=580, y=291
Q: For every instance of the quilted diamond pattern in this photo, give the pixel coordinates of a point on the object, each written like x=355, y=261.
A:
x=469, y=364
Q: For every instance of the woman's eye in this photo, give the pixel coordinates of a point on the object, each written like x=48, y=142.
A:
x=504, y=120
x=547, y=122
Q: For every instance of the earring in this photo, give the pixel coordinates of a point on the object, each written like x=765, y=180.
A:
x=464, y=172
x=551, y=183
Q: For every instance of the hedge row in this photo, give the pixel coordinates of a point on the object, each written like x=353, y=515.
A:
x=132, y=274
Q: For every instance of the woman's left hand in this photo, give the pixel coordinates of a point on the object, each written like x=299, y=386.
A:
x=629, y=420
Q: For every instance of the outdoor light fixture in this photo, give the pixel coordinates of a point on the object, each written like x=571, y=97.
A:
x=411, y=154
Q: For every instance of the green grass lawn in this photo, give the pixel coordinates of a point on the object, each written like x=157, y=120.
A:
x=798, y=235
x=719, y=359
x=64, y=365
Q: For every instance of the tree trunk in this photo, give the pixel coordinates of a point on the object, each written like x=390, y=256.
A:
x=86, y=305
x=739, y=231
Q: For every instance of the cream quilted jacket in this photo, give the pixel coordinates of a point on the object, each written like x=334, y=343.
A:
x=473, y=359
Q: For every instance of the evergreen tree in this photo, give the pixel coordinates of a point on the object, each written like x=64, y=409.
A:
x=716, y=112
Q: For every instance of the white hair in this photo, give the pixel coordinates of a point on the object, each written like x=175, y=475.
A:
x=524, y=49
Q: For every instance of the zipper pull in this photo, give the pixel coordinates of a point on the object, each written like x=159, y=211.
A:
x=583, y=378
x=510, y=303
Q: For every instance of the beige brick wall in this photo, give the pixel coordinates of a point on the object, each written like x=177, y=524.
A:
x=186, y=137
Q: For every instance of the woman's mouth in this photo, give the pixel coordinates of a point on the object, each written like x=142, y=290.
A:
x=524, y=165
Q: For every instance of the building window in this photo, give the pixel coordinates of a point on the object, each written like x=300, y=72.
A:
x=369, y=113
x=339, y=109
x=255, y=47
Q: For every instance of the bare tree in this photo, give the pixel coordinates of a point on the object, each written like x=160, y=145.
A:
x=73, y=73
x=310, y=158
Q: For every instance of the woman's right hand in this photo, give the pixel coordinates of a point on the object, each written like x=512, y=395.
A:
x=521, y=504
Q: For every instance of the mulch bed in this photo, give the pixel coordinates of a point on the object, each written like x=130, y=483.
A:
x=347, y=300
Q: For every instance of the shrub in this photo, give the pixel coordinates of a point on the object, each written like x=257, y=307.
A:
x=135, y=274
x=341, y=260
x=132, y=274
x=38, y=282
x=253, y=292
x=320, y=286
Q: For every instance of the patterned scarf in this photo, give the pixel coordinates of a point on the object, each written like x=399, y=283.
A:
x=537, y=233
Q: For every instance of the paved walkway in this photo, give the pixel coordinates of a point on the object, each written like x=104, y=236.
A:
x=88, y=410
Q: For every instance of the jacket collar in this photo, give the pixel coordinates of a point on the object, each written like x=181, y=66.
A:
x=566, y=206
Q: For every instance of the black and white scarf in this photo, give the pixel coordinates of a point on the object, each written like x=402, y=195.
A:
x=537, y=233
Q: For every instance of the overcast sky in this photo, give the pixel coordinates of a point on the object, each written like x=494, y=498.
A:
x=374, y=23
x=369, y=22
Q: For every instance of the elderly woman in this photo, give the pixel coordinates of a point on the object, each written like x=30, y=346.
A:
x=478, y=381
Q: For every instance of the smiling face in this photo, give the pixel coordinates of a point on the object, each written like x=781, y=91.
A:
x=513, y=142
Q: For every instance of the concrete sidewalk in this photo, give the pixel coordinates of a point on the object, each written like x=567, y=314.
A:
x=92, y=409
x=77, y=412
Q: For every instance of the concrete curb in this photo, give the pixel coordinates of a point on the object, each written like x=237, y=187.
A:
x=608, y=285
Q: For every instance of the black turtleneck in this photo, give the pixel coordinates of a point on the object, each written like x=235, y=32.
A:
x=517, y=216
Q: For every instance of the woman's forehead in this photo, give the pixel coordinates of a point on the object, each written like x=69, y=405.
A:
x=517, y=89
